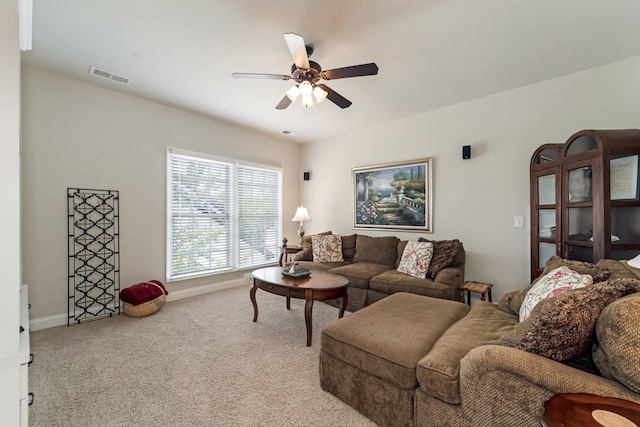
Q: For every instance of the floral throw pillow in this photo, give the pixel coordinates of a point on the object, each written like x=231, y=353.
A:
x=551, y=284
x=327, y=248
x=416, y=258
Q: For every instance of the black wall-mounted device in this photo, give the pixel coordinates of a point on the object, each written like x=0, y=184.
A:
x=466, y=152
x=306, y=176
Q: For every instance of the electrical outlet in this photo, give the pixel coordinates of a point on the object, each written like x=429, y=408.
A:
x=247, y=278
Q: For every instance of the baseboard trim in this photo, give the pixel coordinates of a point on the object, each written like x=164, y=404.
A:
x=61, y=319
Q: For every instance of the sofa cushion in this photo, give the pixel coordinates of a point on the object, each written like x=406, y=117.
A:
x=444, y=252
x=327, y=248
x=307, y=247
x=563, y=327
x=359, y=273
x=551, y=284
x=321, y=266
x=629, y=271
x=617, y=353
x=401, y=245
x=512, y=301
x=599, y=273
x=379, y=250
x=416, y=258
x=438, y=372
x=349, y=247
x=386, y=339
x=392, y=281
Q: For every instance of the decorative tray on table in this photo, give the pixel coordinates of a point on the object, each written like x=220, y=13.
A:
x=296, y=271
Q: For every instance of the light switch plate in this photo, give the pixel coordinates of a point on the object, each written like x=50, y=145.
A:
x=518, y=221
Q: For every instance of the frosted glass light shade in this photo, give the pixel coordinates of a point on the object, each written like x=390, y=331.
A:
x=307, y=101
x=292, y=93
x=320, y=94
x=305, y=88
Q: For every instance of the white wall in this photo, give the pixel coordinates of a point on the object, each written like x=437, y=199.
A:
x=83, y=136
x=475, y=200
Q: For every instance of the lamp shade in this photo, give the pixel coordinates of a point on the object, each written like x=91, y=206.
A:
x=301, y=214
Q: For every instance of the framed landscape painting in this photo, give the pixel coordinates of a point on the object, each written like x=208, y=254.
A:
x=394, y=196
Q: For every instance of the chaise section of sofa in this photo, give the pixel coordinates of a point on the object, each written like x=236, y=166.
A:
x=474, y=373
x=368, y=359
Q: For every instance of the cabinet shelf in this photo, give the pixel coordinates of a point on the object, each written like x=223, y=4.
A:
x=572, y=187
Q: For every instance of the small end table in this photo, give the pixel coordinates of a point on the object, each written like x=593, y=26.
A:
x=586, y=410
x=477, y=287
x=285, y=251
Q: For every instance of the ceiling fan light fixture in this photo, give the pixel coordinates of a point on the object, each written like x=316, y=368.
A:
x=320, y=94
x=307, y=101
x=305, y=88
x=292, y=93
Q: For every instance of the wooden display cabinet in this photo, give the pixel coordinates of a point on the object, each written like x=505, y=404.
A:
x=584, y=198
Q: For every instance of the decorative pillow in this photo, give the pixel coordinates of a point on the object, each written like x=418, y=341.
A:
x=327, y=248
x=551, y=284
x=512, y=301
x=563, y=327
x=635, y=263
x=416, y=258
x=617, y=353
x=444, y=251
x=307, y=247
x=597, y=272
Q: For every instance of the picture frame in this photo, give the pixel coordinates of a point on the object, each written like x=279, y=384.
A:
x=623, y=179
x=397, y=196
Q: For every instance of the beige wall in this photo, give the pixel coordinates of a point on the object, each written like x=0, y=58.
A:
x=83, y=136
x=78, y=135
x=476, y=200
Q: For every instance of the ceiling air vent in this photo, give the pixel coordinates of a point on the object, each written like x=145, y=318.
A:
x=96, y=72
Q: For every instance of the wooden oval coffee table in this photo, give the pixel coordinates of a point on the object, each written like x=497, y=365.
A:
x=587, y=410
x=319, y=286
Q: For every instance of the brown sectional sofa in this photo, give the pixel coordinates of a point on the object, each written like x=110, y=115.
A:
x=410, y=360
x=370, y=265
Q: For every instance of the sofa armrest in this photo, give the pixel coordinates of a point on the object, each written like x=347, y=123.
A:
x=451, y=276
x=507, y=385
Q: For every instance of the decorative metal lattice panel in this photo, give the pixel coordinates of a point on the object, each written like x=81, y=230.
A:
x=94, y=254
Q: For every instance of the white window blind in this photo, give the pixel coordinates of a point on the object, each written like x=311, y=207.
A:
x=259, y=218
x=223, y=215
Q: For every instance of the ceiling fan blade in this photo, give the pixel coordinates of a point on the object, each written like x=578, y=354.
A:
x=260, y=76
x=298, y=50
x=370, y=69
x=335, y=97
x=284, y=103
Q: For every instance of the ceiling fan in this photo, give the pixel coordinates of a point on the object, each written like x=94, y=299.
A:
x=308, y=73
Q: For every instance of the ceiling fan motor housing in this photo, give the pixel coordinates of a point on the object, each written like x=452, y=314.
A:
x=312, y=75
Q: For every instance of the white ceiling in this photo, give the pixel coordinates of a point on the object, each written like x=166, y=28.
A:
x=431, y=53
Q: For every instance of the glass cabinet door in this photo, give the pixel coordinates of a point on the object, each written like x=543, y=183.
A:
x=579, y=185
x=579, y=222
x=546, y=220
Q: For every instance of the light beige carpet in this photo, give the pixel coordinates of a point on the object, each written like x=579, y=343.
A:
x=196, y=362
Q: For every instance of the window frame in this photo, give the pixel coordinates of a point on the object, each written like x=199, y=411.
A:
x=236, y=166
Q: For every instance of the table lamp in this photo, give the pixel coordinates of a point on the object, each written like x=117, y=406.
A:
x=301, y=215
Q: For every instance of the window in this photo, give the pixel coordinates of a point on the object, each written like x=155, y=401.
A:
x=223, y=215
